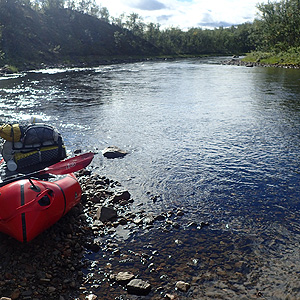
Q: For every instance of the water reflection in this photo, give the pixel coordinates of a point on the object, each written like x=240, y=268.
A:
x=202, y=127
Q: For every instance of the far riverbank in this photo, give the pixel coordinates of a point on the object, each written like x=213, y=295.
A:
x=92, y=63
x=246, y=63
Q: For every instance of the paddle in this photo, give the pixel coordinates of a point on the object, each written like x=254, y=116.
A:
x=66, y=166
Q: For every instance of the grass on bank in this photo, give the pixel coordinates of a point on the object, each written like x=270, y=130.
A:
x=289, y=57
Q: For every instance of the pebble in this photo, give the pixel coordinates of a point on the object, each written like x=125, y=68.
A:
x=15, y=294
x=182, y=286
x=51, y=289
x=138, y=287
x=170, y=297
x=124, y=277
x=105, y=214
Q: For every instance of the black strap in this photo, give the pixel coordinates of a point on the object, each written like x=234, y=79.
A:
x=60, y=148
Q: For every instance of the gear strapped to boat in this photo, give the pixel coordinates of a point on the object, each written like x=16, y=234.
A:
x=32, y=144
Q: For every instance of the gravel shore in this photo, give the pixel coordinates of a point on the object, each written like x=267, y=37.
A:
x=59, y=264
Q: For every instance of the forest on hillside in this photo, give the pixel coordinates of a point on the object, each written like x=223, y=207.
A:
x=276, y=28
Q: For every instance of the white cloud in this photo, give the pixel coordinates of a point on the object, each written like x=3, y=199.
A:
x=148, y=5
x=186, y=13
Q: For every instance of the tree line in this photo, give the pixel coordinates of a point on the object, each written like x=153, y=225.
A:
x=172, y=40
x=277, y=27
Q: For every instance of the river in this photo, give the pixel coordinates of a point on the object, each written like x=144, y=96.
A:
x=220, y=142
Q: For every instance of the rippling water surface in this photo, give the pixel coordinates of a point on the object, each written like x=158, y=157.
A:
x=221, y=142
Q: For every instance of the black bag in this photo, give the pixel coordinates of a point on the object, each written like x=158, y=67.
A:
x=39, y=143
x=39, y=135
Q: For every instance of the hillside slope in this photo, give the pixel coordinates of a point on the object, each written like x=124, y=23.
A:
x=62, y=36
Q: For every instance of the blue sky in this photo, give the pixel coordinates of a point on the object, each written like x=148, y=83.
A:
x=187, y=13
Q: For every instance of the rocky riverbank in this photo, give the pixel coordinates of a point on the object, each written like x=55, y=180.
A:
x=239, y=62
x=58, y=264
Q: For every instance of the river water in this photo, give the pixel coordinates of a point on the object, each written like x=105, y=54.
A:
x=219, y=142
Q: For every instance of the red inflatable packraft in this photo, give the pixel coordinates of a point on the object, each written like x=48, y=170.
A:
x=28, y=207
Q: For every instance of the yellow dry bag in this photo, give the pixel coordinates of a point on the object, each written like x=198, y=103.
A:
x=11, y=133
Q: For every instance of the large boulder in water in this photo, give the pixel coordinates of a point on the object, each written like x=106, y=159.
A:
x=113, y=152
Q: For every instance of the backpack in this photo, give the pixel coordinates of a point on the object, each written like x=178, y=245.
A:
x=32, y=144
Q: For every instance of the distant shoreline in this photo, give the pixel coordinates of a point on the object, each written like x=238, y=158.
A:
x=92, y=63
x=240, y=62
x=10, y=69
